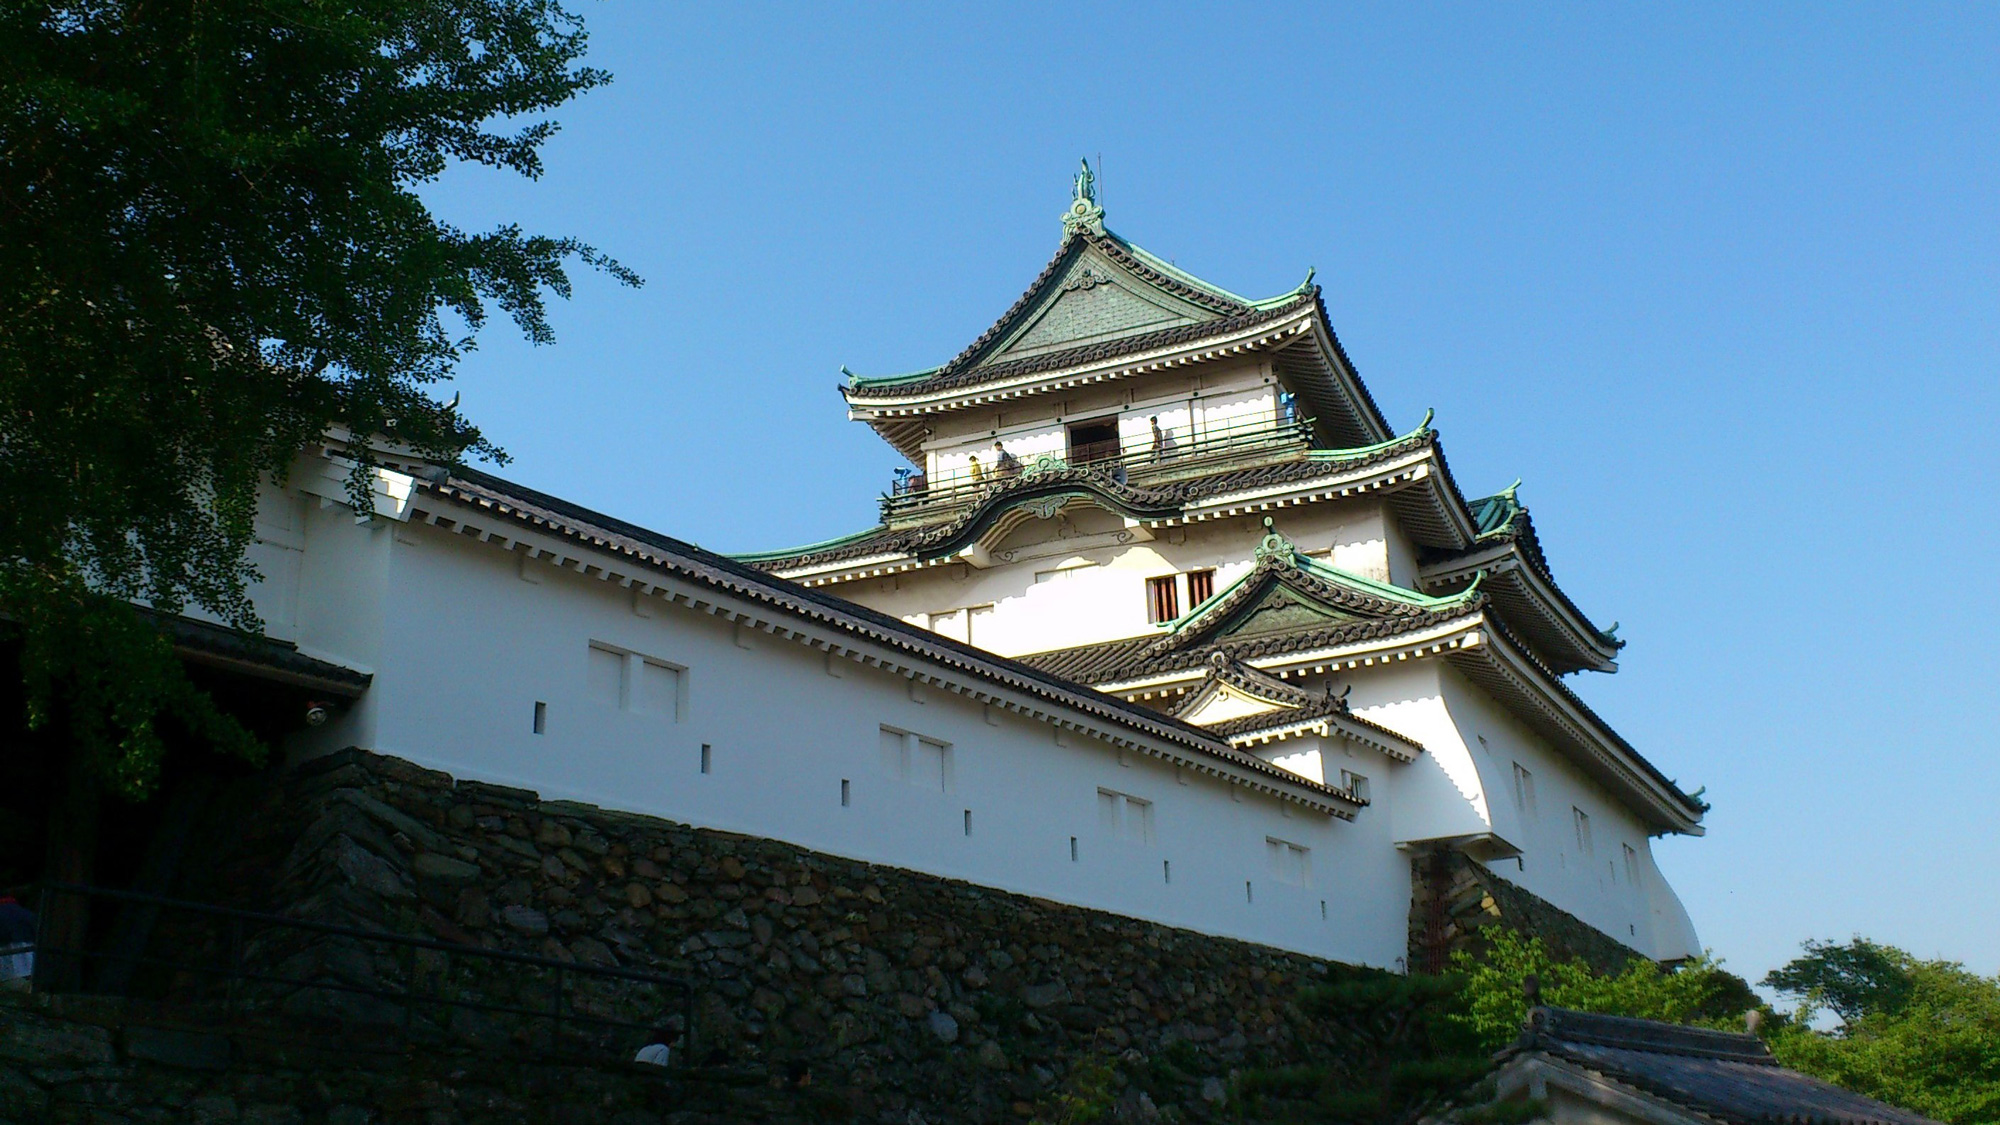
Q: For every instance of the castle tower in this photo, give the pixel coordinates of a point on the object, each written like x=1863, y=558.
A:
x=1141, y=482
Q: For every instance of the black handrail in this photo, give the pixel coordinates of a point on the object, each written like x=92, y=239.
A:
x=234, y=968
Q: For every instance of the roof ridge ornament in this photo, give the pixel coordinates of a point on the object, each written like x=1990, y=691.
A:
x=1084, y=214
x=1275, y=548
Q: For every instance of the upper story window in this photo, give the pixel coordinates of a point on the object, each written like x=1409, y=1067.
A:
x=1631, y=865
x=1092, y=441
x=1201, y=586
x=1163, y=594
x=915, y=760
x=1585, y=846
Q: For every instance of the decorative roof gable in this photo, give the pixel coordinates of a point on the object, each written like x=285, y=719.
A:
x=1093, y=301
x=1287, y=593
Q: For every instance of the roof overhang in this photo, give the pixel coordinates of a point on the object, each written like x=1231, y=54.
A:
x=1479, y=647
x=902, y=419
x=1537, y=609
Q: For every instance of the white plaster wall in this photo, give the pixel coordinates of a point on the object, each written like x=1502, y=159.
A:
x=1596, y=887
x=1100, y=593
x=463, y=647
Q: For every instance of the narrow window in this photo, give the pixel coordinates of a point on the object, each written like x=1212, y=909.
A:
x=968, y=822
x=1584, y=845
x=1631, y=865
x=1162, y=601
x=1072, y=849
x=1249, y=895
x=1322, y=910
x=541, y=717
x=707, y=758
x=846, y=793
x=1354, y=783
x=1166, y=870
x=1201, y=586
x=1524, y=789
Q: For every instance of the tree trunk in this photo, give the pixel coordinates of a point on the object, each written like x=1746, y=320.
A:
x=65, y=921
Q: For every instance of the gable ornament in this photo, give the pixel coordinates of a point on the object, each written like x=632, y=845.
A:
x=1275, y=548
x=1083, y=212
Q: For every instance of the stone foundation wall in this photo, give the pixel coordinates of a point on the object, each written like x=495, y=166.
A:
x=1454, y=899
x=907, y=997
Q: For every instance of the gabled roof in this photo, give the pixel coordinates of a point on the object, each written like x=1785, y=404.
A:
x=1712, y=1075
x=1102, y=299
x=1286, y=603
x=1293, y=709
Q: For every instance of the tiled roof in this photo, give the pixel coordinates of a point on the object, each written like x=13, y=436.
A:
x=1115, y=661
x=1726, y=1076
x=1168, y=499
x=692, y=563
x=219, y=646
x=949, y=377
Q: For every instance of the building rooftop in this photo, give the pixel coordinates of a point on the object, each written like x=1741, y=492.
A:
x=1719, y=1075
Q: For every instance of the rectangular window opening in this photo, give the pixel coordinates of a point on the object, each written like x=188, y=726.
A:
x=707, y=758
x=1249, y=895
x=1289, y=862
x=1584, y=845
x=968, y=822
x=1322, y=910
x=1162, y=600
x=1354, y=783
x=1072, y=849
x=1166, y=870
x=1093, y=441
x=846, y=793
x=1201, y=586
x=541, y=717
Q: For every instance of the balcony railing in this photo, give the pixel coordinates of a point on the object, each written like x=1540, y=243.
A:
x=916, y=500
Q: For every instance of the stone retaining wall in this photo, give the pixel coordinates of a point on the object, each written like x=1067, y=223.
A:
x=920, y=998
x=1454, y=899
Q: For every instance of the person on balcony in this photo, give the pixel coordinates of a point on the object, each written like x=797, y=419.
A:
x=1163, y=440
x=1005, y=464
x=978, y=470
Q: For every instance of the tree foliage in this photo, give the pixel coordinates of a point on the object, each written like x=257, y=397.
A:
x=212, y=251
x=1924, y=1035
x=1494, y=1007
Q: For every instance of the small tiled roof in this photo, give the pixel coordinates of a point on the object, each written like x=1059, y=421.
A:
x=265, y=658
x=1502, y=519
x=1723, y=1075
x=1116, y=661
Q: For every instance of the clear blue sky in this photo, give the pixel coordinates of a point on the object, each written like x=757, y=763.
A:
x=1720, y=283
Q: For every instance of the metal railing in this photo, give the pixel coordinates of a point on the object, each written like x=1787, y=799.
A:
x=914, y=499
x=241, y=963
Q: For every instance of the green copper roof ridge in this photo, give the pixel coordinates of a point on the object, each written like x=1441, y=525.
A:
x=1289, y=296
x=1390, y=590
x=1423, y=428
x=1154, y=261
x=809, y=548
x=854, y=380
